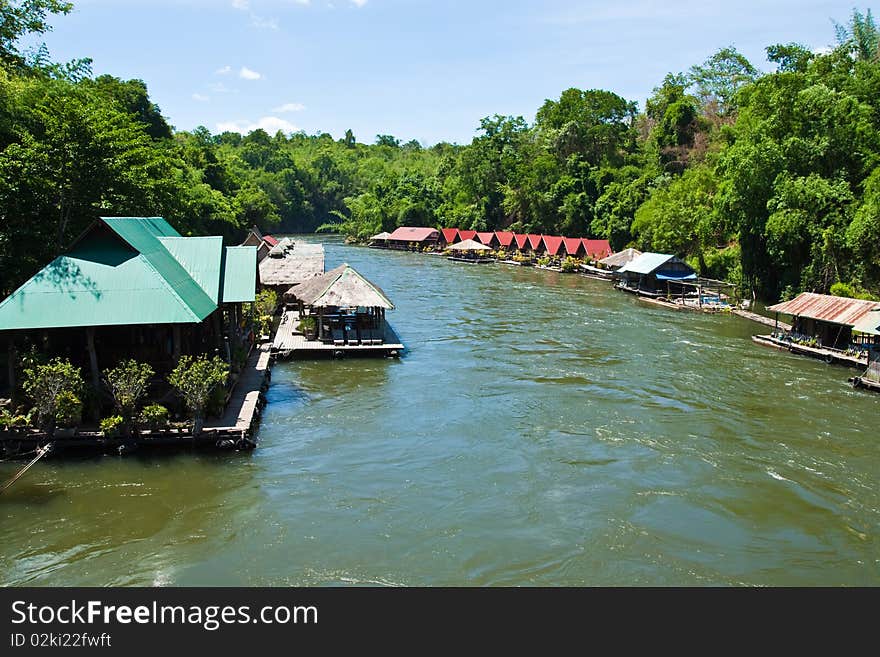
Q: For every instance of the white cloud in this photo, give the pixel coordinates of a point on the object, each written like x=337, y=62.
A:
x=264, y=23
x=244, y=5
x=200, y=98
x=226, y=70
x=220, y=88
x=289, y=107
x=270, y=124
x=247, y=74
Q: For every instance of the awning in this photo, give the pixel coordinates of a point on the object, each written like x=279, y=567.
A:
x=676, y=276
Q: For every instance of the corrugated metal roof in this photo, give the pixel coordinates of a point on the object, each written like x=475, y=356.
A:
x=621, y=258
x=504, y=237
x=552, y=244
x=126, y=271
x=143, y=234
x=826, y=308
x=485, y=238
x=449, y=234
x=101, y=282
x=597, y=249
x=869, y=323
x=646, y=263
x=239, y=274
x=271, y=241
x=414, y=234
x=201, y=257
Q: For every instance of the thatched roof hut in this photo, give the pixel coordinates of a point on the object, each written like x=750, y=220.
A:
x=292, y=263
x=619, y=259
x=469, y=245
x=342, y=287
x=381, y=237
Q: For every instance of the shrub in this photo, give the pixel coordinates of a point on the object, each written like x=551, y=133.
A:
x=196, y=379
x=154, y=416
x=44, y=384
x=110, y=425
x=569, y=264
x=128, y=383
x=68, y=409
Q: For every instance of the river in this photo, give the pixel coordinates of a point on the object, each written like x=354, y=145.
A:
x=542, y=429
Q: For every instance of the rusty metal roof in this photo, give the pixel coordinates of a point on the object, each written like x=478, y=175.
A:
x=826, y=308
x=413, y=234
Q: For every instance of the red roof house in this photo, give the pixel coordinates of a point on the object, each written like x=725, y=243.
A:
x=486, y=238
x=271, y=241
x=597, y=249
x=467, y=234
x=521, y=241
x=504, y=238
x=450, y=235
x=552, y=244
x=535, y=242
x=412, y=234
x=574, y=246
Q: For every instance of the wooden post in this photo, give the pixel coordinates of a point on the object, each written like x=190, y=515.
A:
x=93, y=357
x=321, y=323
x=175, y=332
x=13, y=357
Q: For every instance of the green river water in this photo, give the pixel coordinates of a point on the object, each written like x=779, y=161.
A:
x=543, y=429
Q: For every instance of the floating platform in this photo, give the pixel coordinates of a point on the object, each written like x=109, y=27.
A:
x=471, y=261
x=291, y=343
x=828, y=355
x=233, y=431
x=867, y=384
x=761, y=319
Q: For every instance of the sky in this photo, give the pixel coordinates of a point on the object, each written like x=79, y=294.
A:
x=417, y=69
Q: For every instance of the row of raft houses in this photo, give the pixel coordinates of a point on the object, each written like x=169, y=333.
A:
x=835, y=329
x=134, y=288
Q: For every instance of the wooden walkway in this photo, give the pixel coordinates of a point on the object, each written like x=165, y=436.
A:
x=246, y=402
x=828, y=355
x=761, y=319
x=290, y=343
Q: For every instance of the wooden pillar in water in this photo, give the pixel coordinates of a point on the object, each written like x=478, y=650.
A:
x=93, y=357
x=321, y=323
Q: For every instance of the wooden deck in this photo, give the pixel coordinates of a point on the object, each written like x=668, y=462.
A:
x=290, y=343
x=246, y=402
x=828, y=355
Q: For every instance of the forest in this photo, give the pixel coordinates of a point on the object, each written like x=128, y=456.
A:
x=767, y=179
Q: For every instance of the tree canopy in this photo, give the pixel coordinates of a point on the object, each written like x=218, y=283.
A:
x=769, y=179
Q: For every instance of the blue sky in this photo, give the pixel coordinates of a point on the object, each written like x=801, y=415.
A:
x=417, y=69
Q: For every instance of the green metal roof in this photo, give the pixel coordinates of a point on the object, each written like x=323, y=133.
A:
x=240, y=274
x=129, y=271
x=201, y=258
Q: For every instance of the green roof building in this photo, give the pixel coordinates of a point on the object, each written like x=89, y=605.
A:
x=137, y=288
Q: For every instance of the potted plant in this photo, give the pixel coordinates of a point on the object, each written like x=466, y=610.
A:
x=309, y=326
x=111, y=426
x=68, y=413
x=154, y=417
